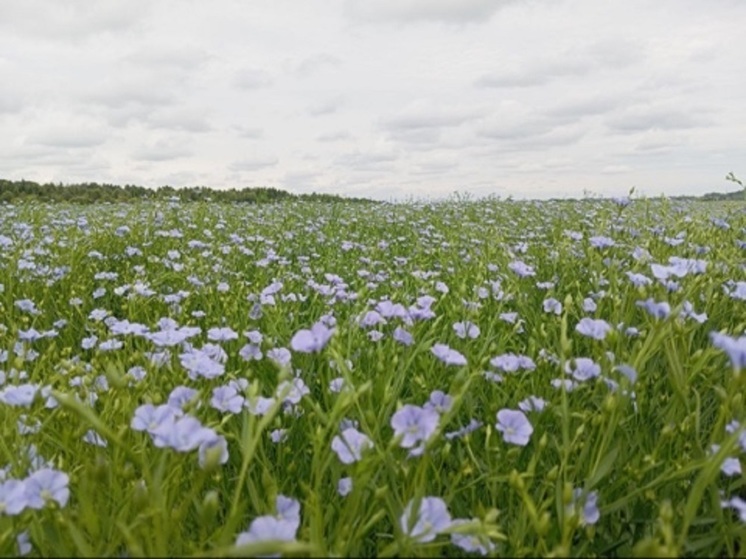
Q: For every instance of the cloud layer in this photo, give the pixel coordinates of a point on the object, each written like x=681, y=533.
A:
x=405, y=98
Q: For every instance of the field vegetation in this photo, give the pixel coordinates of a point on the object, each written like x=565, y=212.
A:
x=304, y=378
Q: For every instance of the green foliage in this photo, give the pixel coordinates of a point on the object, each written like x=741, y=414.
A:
x=93, y=193
x=644, y=447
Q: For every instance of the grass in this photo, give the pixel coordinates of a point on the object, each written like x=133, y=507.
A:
x=643, y=448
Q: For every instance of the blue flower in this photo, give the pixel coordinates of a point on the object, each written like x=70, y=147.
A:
x=268, y=528
x=226, y=399
x=148, y=417
x=12, y=497
x=469, y=542
x=588, y=512
x=292, y=392
x=184, y=434
x=584, y=368
x=213, y=451
x=181, y=396
x=473, y=425
x=439, y=401
x=344, y=486
x=21, y=395
x=510, y=363
x=45, y=485
x=638, y=280
x=350, y=445
x=402, y=336
x=199, y=364
x=657, y=310
x=738, y=505
x=734, y=347
x=447, y=355
x=601, y=242
x=415, y=424
x=552, y=305
x=281, y=356
x=431, y=518
x=466, y=329
x=515, y=426
x=532, y=403
x=288, y=510
x=222, y=334
x=730, y=466
x=372, y=318
x=313, y=340
x=521, y=269
x=259, y=405
x=250, y=352
x=596, y=329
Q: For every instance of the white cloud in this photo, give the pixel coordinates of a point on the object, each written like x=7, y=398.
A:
x=184, y=119
x=448, y=11
x=253, y=163
x=71, y=20
x=253, y=78
x=392, y=97
x=334, y=136
x=161, y=150
x=643, y=118
x=316, y=63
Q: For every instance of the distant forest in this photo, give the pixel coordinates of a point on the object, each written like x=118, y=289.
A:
x=737, y=195
x=95, y=193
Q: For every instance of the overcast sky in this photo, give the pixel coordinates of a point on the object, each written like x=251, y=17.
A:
x=378, y=98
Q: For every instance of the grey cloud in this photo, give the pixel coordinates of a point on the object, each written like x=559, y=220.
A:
x=516, y=130
x=185, y=58
x=316, y=63
x=73, y=20
x=334, y=136
x=9, y=103
x=69, y=137
x=539, y=74
x=423, y=122
x=366, y=161
x=639, y=119
x=416, y=136
x=574, y=62
x=661, y=142
x=252, y=78
x=616, y=169
x=161, y=150
x=326, y=107
x=531, y=135
x=253, y=164
x=183, y=119
x=153, y=77
x=300, y=180
x=252, y=133
x=617, y=53
x=435, y=167
x=409, y=11
x=124, y=102
x=580, y=108
x=133, y=90
x=180, y=178
x=419, y=118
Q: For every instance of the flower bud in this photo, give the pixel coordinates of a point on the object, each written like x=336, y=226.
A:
x=140, y=496
x=210, y=506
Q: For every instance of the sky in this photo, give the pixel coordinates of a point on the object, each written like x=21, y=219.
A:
x=386, y=99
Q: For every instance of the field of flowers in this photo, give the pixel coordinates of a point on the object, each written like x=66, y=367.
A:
x=461, y=378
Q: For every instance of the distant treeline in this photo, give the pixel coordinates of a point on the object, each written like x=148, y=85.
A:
x=721, y=196
x=739, y=195
x=93, y=193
